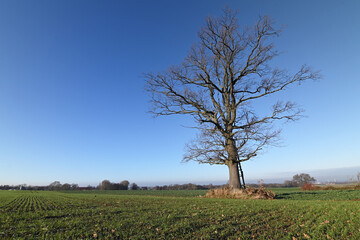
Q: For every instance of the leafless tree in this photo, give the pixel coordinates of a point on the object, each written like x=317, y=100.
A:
x=300, y=180
x=223, y=74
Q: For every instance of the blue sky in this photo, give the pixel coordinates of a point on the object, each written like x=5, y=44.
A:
x=73, y=106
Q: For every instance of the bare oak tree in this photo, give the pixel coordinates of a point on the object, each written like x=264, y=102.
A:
x=223, y=74
x=301, y=179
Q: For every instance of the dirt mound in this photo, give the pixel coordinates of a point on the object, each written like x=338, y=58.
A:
x=248, y=193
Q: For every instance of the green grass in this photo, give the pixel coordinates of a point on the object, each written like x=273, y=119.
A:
x=174, y=193
x=178, y=215
x=331, y=195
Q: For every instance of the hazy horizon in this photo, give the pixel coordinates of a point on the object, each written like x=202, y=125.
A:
x=332, y=175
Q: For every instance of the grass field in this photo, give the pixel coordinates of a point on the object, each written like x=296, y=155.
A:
x=178, y=215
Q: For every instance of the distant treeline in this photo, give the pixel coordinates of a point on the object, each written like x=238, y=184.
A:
x=57, y=186
x=188, y=186
x=124, y=185
x=298, y=180
x=107, y=185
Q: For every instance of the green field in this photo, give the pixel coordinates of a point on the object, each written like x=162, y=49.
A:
x=178, y=215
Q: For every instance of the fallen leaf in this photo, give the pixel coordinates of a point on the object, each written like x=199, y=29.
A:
x=306, y=236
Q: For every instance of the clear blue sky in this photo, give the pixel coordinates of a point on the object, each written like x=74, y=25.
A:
x=73, y=108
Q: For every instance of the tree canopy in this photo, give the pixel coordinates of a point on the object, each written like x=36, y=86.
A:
x=223, y=75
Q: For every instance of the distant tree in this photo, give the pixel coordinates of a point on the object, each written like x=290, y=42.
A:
x=218, y=84
x=124, y=185
x=115, y=186
x=358, y=176
x=66, y=186
x=105, y=185
x=134, y=186
x=54, y=186
x=74, y=186
x=301, y=179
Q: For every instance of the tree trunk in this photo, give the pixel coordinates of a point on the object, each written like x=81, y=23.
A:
x=234, y=178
